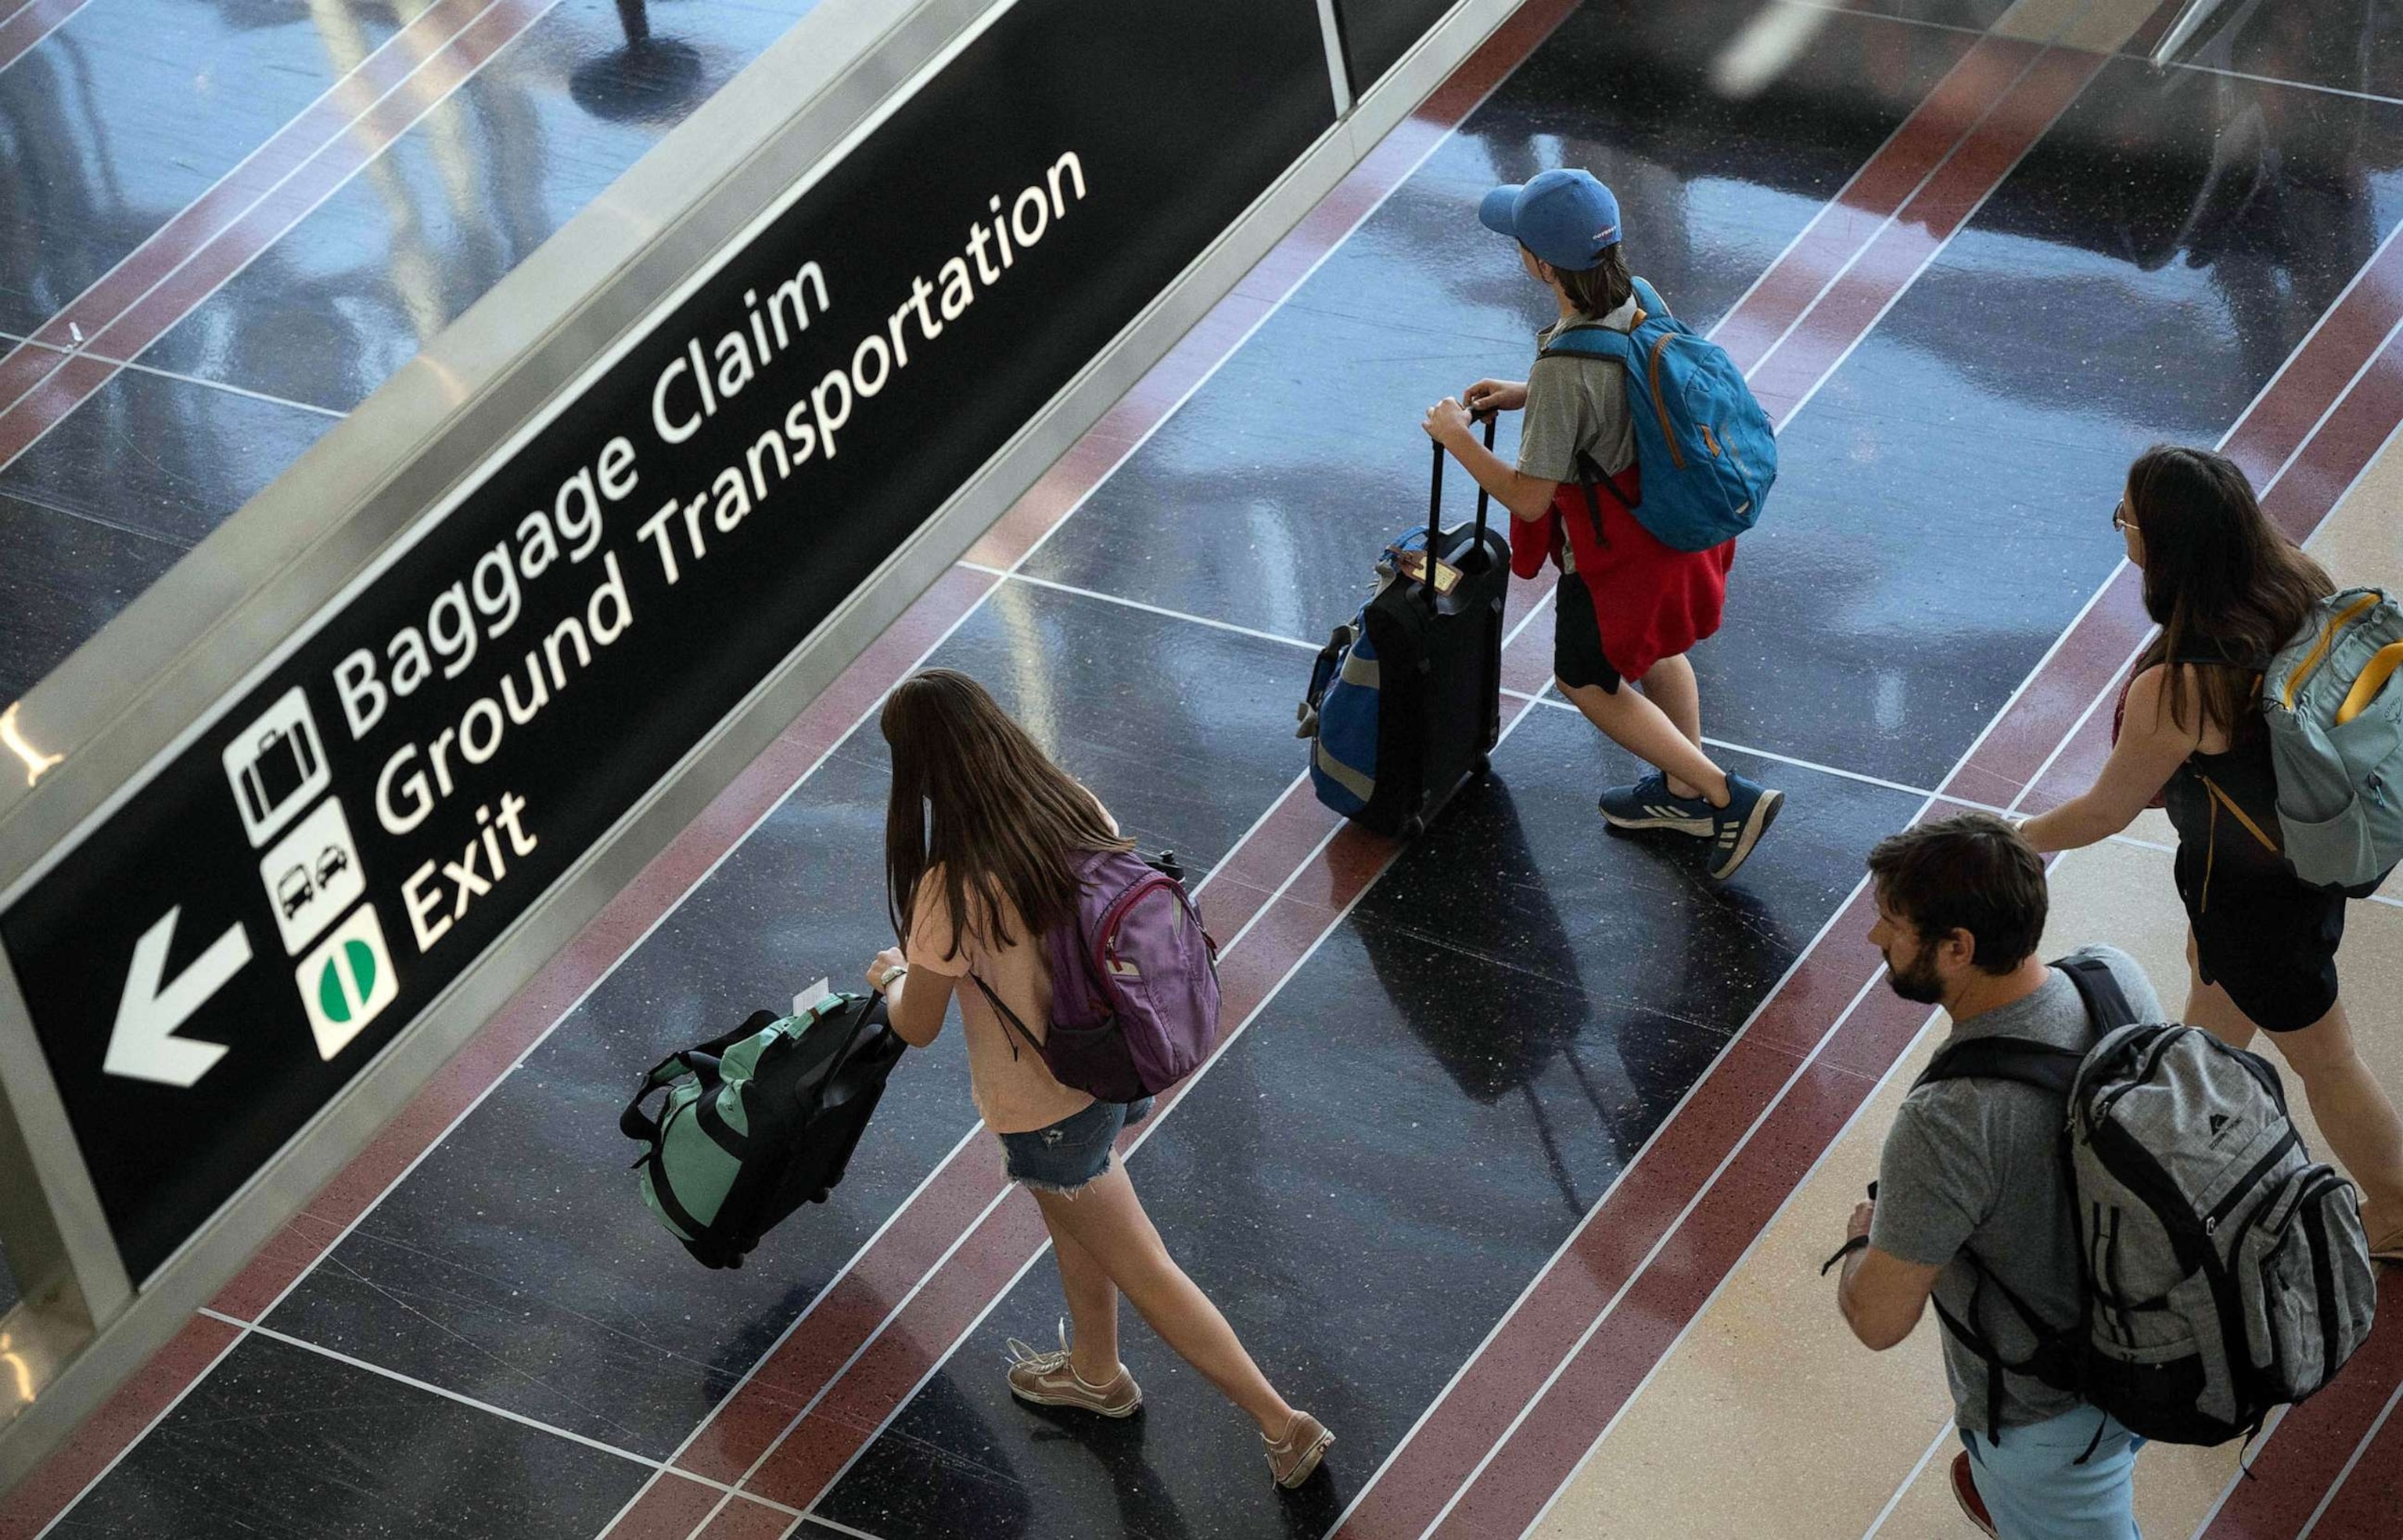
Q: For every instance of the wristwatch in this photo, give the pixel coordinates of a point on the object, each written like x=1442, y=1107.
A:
x=885, y=985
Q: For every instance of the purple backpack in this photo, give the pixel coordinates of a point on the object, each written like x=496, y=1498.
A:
x=1134, y=982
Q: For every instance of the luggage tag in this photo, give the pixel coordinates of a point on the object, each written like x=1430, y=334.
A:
x=1412, y=565
x=810, y=998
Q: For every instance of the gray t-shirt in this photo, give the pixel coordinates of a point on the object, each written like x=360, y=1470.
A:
x=1974, y=1165
x=1577, y=405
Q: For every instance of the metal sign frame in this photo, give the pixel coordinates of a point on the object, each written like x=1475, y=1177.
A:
x=160, y=673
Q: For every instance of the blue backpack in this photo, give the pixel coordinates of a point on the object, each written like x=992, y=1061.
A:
x=1707, y=450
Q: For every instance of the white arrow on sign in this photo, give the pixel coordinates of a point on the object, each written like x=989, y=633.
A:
x=142, y=1046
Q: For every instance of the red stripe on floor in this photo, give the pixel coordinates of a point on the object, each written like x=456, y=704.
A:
x=41, y=1496
x=859, y=1402
x=2092, y=656
x=2370, y=1504
x=24, y=30
x=669, y=1508
x=2293, y=1468
x=1892, y=261
x=744, y=1519
x=214, y=261
x=743, y=1427
x=1611, y=1247
x=806, y=1460
x=1839, y=232
x=1595, y=1379
x=335, y=112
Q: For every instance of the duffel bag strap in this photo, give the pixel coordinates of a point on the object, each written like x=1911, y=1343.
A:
x=753, y=1025
x=664, y=1192
x=636, y=1124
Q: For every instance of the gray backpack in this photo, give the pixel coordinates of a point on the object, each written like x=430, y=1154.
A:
x=2336, y=736
x=2225, y=1272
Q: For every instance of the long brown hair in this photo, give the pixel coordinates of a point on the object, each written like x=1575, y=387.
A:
x=2218, y=577
x=973, y=794
x=1603, y=287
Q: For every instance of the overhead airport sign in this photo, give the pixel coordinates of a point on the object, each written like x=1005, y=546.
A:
x=214, y=960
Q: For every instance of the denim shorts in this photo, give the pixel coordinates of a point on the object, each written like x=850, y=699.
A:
x=1071, y=1152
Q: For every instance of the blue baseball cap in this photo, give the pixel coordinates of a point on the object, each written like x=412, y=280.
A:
x=1565, y=217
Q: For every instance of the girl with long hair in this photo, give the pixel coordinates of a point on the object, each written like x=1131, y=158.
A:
x=2228, y=591
x=979, y=838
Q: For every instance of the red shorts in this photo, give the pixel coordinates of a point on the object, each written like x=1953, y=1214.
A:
x=1649, y=601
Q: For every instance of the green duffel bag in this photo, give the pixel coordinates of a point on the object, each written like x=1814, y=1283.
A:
x=759, y=1121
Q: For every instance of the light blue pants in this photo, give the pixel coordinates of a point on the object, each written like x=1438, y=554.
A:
x=2035, y=1488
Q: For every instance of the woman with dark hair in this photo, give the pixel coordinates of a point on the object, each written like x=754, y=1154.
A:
x=979, y=838
x=2228, y=590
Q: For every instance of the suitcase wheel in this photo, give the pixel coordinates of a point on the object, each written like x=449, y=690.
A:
x=1413, y=826
x=1484, y=767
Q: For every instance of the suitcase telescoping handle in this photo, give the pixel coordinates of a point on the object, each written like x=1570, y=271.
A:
x=1435, y=498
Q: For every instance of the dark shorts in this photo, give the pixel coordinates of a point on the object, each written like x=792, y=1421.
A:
x=1577, y=661
x=1071, y=1152
x=2267, y=939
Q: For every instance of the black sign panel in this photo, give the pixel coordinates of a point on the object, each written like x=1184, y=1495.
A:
x=208, y=967
x=1377, y=33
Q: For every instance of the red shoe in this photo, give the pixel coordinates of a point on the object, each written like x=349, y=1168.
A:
x=1964, y=1491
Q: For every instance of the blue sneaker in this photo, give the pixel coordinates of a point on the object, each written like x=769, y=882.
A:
x=1649, y=805
x=1739, y=826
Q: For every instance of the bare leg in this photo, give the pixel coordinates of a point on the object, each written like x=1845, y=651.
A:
x=2208, y=1006
x=1634, y=722
x=2354, y=1111
x=1670, y=684
x=1092, y=1309
x=1106, y=1219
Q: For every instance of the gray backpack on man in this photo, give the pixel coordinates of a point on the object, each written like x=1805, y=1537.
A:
x=2336, y=737
x=2224, y=1273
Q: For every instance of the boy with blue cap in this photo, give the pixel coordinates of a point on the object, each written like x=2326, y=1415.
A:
x=1628, y=606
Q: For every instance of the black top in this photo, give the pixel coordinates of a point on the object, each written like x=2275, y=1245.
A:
x=2227, y=802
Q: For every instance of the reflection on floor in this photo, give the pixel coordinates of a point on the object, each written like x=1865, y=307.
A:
x=314, y=190
x=1528, y=1138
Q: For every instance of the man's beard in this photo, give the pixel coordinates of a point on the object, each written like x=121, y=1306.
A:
x=1917, y=979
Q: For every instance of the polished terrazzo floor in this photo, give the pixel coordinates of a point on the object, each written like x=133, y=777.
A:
x=1521, y=1126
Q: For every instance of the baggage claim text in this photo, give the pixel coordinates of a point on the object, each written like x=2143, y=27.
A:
x=482, y=606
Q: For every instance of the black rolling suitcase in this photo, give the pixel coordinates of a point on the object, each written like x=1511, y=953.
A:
x=1406, y=701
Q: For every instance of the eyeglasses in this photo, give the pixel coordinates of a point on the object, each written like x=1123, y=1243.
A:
x=2120, y=520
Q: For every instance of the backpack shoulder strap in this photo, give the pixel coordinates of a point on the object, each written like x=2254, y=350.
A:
x=2099, y=987
x=1649, y=297
x=1593, y=341
x=2019, y=1059
x=1010, y=1018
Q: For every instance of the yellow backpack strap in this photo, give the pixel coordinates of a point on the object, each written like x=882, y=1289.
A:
x=2239, y=813
x=2382, y=663
x=2319, y=652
